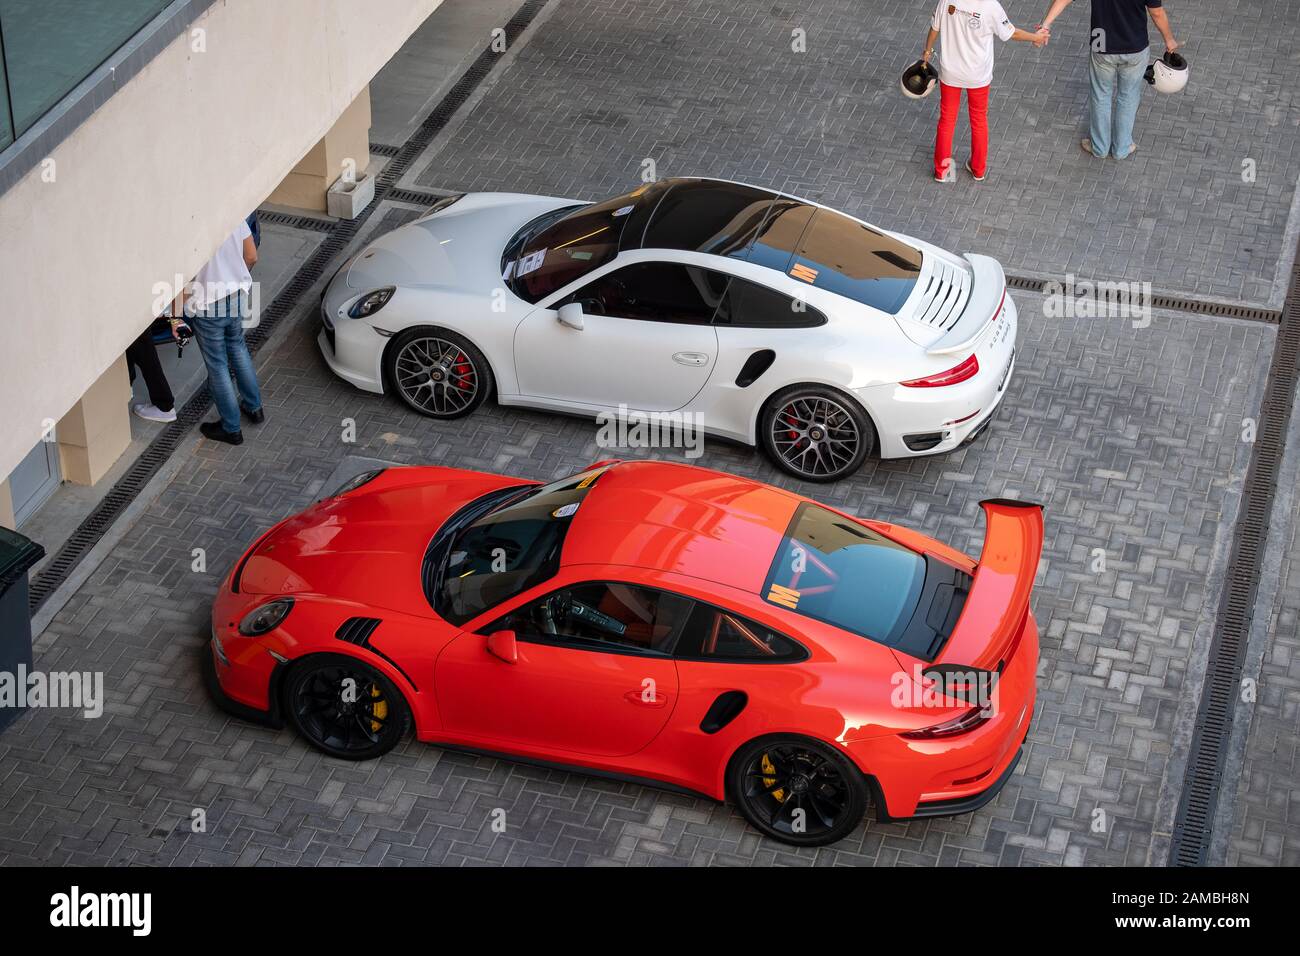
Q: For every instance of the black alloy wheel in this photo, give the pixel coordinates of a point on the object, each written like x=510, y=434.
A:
x=344, y=707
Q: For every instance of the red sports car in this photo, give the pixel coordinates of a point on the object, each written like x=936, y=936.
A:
x=646, y=621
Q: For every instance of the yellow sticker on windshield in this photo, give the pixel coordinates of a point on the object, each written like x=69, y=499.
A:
x=786, y=597
x=589, y=480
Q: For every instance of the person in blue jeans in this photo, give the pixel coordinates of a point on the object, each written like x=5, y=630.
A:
x=216, y=302
x=1120, y=52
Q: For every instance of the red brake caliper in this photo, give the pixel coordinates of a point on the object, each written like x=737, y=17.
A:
x=463, y=371
x=792, y=421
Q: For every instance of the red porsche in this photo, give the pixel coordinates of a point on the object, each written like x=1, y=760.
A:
x=647, y=621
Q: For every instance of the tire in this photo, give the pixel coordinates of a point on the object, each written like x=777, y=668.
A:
x=368, y=727
x=763, y=779
x=437, y=372
x=815, y=433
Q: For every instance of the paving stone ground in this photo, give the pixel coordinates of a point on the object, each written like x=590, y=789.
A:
x=708, y=88
x=1130, y=436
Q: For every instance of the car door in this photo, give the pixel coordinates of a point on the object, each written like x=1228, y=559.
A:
x=646, y=340
x=593, y=675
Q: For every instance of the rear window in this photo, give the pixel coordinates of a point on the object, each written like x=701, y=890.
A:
x=835, y=570
x=855, y=261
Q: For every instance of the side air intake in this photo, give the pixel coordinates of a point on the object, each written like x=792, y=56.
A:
x=357, y=630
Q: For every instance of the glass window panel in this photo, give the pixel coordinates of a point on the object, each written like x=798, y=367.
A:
x=52, y=45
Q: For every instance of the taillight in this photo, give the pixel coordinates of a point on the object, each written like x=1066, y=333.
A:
x=958, y=373
x=951, y=728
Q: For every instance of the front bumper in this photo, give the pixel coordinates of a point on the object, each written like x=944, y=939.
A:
x=352, y=348
x=268, y=716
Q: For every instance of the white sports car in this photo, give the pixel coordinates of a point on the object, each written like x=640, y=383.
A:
x=775, y=321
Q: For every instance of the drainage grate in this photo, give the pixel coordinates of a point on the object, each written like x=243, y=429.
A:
x=383, y=149
x=1200, y=793
x=1117, y=292
x=339, y=234
x=416, y=197
x=297, y=222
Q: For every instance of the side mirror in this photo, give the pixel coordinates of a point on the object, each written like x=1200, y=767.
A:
x=502, y=644
x=571, y=315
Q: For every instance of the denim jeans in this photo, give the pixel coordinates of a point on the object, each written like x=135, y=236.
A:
x=220, y=331
x=1114, y=77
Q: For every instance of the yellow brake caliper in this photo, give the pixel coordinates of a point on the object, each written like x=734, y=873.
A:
x=377, y=709
x=769, y=767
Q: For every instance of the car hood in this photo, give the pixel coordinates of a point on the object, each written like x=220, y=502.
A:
x=367, y=545
x=459, y=247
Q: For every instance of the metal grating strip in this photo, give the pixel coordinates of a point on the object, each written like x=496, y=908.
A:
x=93, y=528
x=383, y=149
x=1170, y=302
x=297, y=222
x=416, y=197
x=1200, y=794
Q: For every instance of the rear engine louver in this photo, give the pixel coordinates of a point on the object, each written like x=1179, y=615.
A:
x=945, y=296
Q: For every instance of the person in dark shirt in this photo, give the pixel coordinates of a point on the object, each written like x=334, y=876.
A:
x=1120, y=52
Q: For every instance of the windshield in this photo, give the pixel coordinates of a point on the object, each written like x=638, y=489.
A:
x=835, y=570
x=553, y=254
x=512, y=548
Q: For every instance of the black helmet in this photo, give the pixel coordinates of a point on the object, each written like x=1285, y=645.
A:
x=919, y=80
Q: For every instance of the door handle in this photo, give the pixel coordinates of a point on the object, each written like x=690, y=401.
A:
x=690, y=358
x=637, y=697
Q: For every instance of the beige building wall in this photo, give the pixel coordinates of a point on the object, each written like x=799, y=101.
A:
x=346, y=147
x=94, y=238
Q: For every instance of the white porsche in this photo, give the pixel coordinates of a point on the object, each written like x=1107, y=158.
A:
x=773, y=320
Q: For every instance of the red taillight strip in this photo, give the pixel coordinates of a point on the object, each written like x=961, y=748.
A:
x=969, y=368
x=964, y=724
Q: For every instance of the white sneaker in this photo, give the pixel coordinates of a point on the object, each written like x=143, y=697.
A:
x=151, y=413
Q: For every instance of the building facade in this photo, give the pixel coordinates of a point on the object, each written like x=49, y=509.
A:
x=134, y=135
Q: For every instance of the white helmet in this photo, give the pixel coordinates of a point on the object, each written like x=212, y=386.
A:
x=1169, y=73
x=919, y=80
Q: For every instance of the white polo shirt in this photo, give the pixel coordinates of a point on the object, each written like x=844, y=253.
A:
x=966, y=31
x=224, y=274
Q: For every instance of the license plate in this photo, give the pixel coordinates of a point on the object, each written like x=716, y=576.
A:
x=1006, y=372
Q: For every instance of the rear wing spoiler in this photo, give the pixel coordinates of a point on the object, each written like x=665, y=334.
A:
x=998, y=602
x=988, y=291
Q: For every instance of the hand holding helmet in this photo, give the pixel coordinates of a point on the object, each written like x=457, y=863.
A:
x=919, y=80
x=1169, y=73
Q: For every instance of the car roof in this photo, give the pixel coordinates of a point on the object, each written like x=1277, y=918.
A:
x=664, y=516
x=813, y=243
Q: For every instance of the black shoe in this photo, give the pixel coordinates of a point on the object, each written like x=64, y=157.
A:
x=216, y=432
x=256, y=417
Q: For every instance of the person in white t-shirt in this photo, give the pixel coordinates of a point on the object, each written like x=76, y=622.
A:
x=216, y=301
x=967, y=29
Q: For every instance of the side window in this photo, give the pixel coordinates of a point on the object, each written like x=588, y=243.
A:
x=748, y=305
x=713, y=634
x=604, y=616
x=655, y=292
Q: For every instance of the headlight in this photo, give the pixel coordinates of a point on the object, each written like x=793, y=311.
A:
x=352, y=484
x=370, y=303
x=265, y=618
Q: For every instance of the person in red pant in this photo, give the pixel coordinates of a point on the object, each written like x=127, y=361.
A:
x=966, y=29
